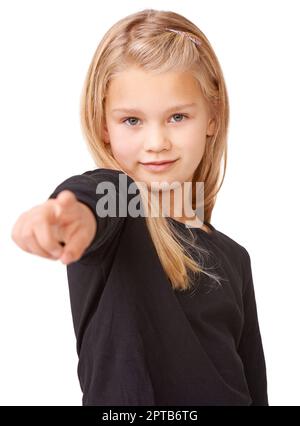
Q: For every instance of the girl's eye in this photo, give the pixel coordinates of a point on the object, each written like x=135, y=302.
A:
x=129, y=118
x=134, y=118
x=180, y=115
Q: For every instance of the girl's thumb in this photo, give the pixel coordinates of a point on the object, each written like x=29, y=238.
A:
x=64, y=198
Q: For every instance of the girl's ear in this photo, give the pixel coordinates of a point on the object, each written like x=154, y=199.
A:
x=211, y=127
x=105, y=133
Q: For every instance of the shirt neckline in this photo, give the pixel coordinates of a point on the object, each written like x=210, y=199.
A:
x=196, y=229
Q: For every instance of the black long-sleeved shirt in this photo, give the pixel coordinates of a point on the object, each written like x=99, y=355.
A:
x=140, y=342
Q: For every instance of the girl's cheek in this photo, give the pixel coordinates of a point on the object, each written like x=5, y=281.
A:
x=126, y=153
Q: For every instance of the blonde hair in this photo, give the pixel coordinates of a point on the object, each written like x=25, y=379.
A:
x=141, y=39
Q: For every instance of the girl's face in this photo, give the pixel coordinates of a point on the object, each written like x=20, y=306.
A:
x=158, y=126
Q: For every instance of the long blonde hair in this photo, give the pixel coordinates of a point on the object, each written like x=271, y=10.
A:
x=141, y=39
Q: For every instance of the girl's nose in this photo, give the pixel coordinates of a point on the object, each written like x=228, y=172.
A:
x=157, y=142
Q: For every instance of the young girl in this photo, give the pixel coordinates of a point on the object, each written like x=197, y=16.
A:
x=164, y=312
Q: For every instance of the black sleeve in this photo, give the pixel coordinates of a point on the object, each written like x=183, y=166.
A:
x=84, y=187
x=250, y=346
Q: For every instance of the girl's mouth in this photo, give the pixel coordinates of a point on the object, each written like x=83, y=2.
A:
x=158, y=166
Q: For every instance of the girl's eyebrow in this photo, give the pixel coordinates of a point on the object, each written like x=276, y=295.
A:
x=134, y=110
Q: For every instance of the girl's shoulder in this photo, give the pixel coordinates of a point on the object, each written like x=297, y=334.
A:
x=111, y=174
x=234, y=251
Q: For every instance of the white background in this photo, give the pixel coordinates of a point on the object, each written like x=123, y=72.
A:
x=46, y=47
